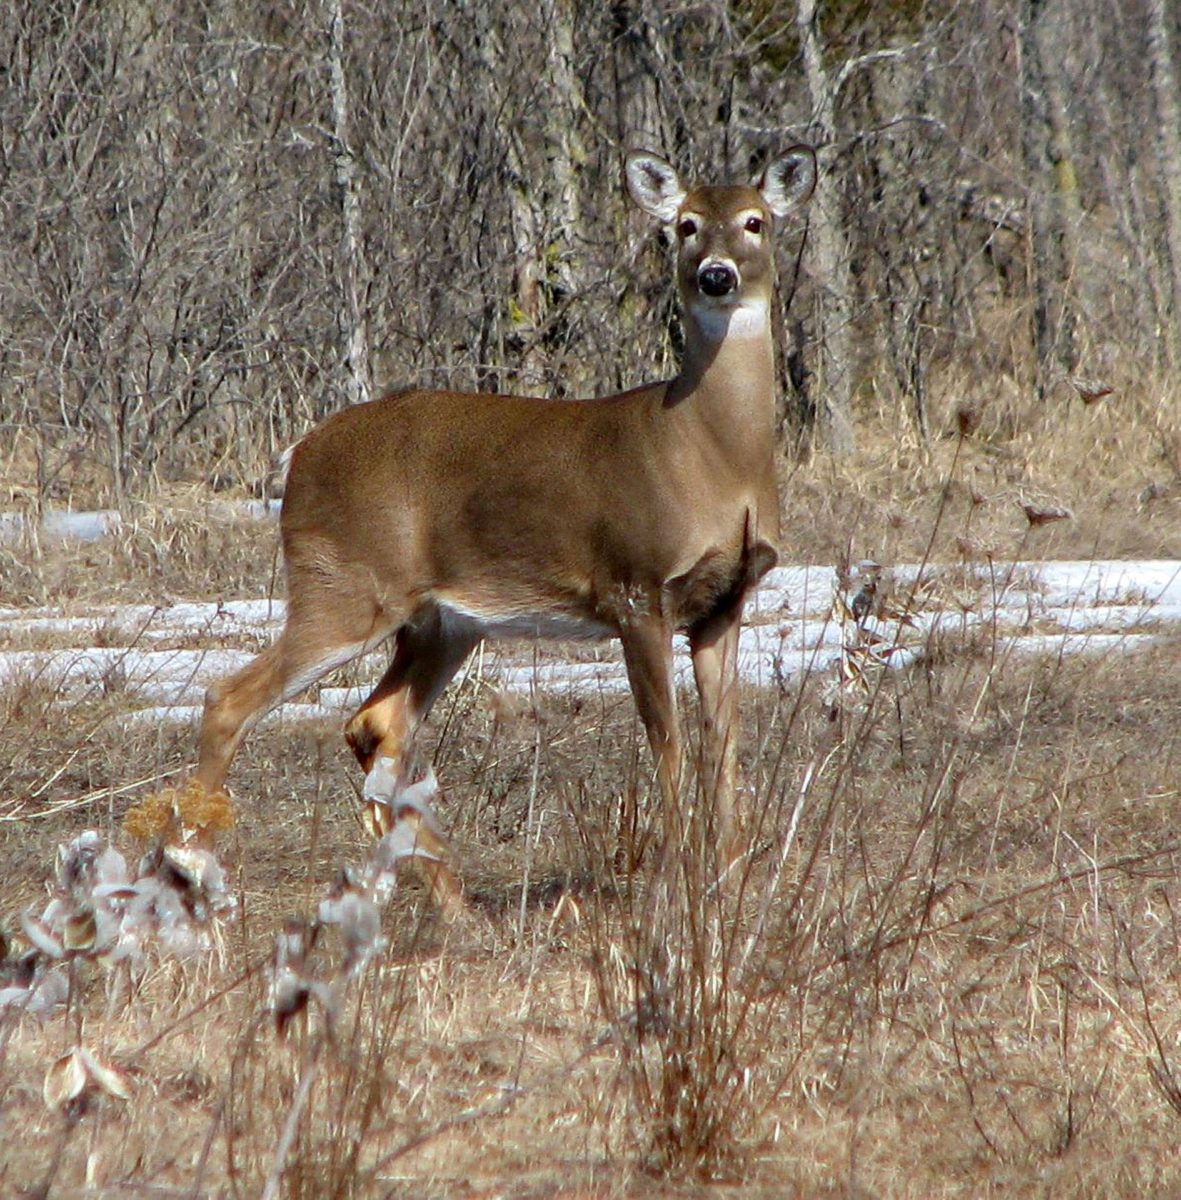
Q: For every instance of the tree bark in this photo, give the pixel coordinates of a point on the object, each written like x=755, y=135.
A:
x=1053, y=191
x=566, y=155
x=353, y=273
x=526, y=311
x=830, y=252
x=639, y=109
x=1168, y=108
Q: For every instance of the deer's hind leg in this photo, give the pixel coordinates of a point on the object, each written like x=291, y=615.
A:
x=321, y=632
x=429, y=650
x=428, y=653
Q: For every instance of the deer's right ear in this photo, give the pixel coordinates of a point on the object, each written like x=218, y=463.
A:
x=654, y=185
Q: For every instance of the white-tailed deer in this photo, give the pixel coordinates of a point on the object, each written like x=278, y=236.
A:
x=439, y=518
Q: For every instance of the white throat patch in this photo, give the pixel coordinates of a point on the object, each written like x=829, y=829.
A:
x=718, y=320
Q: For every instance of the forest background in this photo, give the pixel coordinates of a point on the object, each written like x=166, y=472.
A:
x=220, y=222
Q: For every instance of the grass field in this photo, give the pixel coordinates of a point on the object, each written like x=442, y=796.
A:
x=949, y=967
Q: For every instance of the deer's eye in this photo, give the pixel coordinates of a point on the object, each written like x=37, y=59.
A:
x=754, y=225
x=686, y=228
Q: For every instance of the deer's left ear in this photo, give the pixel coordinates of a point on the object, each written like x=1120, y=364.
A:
x=654, y=185
x=788, y=181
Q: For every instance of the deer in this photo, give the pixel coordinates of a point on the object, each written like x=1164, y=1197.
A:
x=439, y=519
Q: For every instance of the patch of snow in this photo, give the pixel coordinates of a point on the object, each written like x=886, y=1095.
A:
x=1077, y=643
x=110, y=668
x=1055, y=607
x=60, y=523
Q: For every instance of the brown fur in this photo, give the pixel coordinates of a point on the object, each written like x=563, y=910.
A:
x=438, y=518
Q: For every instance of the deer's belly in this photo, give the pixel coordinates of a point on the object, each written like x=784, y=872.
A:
x=493, y=625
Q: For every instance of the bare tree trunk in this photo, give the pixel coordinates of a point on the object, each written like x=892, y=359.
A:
x=567, y=152
x=1119, y=174
x=829, y=250
x=1053, y=191
x=526, y=310
x=907, y=281
x=1168, y=107
x=353, y=273
x=639, y=110
x=639, y=122
x=567, y=156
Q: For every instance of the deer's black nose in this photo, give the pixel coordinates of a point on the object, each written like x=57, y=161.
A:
x=717, y=279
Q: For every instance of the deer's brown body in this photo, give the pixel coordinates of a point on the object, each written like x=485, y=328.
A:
x=440, y=518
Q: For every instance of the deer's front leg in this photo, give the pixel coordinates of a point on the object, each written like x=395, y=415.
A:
x=648, y=655
x=715, y=669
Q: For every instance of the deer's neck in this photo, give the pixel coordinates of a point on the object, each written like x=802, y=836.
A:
x=728, y=365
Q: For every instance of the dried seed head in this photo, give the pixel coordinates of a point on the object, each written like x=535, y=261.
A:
x=967, y=419
x=80, y=932
x=1037, y=515
x=1090, y=391
x=70, y=1077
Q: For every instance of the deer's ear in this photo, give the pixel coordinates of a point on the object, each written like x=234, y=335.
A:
x=654, y=185
x=789, y=180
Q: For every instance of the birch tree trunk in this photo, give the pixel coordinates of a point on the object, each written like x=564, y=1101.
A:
x=1168, y=107
x=830, y=251
x=1053, y=191
x=353, y=274
x=567, y=157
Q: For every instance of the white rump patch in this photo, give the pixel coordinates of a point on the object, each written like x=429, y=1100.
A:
x=284, y=462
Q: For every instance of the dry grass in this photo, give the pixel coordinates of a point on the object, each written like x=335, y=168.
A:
x=948, y=969
x=181, y=546
x=956, y=975
x=1116, y=466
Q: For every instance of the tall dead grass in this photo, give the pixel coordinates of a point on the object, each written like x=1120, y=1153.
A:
x=947, y=965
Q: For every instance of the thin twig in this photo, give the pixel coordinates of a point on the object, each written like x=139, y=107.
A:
x=291, y=1124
